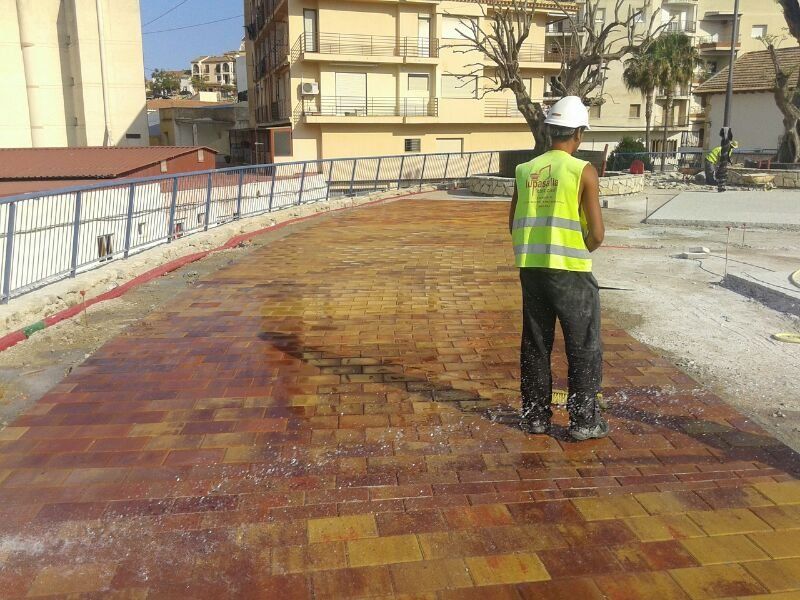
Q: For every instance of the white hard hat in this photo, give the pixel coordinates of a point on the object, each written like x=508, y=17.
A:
x=568, y=112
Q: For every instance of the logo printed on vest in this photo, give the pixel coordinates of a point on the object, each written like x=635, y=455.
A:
x=542, y=179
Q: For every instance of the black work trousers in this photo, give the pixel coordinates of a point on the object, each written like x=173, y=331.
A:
x=574, y=298
x=711, y=173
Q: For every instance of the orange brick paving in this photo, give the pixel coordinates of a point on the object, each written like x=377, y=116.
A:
x=330, y=417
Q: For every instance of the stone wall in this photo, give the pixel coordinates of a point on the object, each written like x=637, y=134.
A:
x=613, y=184
x=789, y=179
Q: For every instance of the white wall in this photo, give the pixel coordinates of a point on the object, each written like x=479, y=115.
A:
x=756, y=121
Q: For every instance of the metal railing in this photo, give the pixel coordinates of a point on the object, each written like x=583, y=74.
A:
x=370, y=106
x=681, y=27
x=354, y=44
x=507, y=107
x=677, y=159
x=52, y=235
x=721, y=39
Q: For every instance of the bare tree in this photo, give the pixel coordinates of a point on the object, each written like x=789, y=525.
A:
x=786, y=92
x=588, y=48
x=791, y=12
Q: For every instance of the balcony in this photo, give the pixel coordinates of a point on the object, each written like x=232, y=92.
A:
x=679, y=2
x=264, y=14
x=719, y=42
x=563, y=27
x=507, y=108
x=352, y=46
x=348, y=108
x=681, y=27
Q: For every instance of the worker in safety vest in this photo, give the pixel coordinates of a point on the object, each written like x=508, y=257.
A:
x=712, y=162
x=555, y=222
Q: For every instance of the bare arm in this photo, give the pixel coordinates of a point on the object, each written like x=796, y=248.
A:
x=590, y=204
x=513, y=208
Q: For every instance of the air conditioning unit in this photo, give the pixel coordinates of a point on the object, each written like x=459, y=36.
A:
x=309, y=88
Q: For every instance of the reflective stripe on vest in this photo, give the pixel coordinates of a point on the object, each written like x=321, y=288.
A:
x=548, y=227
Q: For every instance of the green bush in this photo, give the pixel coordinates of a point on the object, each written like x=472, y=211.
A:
x=628, y=150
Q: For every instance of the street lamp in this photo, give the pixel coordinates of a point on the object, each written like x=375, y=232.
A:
x=726, y=133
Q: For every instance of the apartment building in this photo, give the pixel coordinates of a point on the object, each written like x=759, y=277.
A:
x=370, y=77
x=217, y=70
x=332, y=78
x=73, y=73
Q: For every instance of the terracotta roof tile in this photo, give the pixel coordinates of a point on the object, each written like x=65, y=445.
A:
x=752, y=72
x=157, y=103
x=82, y=163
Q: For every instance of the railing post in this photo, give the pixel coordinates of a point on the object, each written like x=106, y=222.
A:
x=491, y=157
x=377, y=173
x=353, y=176
x=328, y=182
x=400, y=174
x=272, y=188
x=76, y=229
x=469, y=162
x=239, y=194
x=446, y=164
x=129, y=222
x=422, y=172
x=12, y=213
x=302, y=184
x=172, y=206
x=208, y=202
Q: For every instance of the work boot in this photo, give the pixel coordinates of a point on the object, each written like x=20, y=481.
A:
x=597, y=431
x=532, y=423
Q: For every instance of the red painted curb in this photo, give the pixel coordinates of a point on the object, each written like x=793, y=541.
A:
x=11, y=339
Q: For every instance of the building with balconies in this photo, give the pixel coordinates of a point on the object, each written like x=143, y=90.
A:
x=372, y=77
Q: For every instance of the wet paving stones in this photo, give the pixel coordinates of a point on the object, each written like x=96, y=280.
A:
x=333, y=416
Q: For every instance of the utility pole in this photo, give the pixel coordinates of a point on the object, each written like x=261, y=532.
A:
x=726, y=133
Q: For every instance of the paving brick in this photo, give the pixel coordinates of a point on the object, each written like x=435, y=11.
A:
x=342, y=528
x=383, y=550
x=723, y=549
x=777, y=575
x=663, y=527
x=779, y=544
x=429, y=576
x=615, y=507
x=506, y=568
x=717, y=581
x=728, y=521
x=786, y=492
x=634, y=586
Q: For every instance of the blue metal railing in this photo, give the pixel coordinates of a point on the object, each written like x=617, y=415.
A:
x=47, y=236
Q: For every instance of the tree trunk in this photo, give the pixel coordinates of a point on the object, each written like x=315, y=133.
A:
x=534, y=117
x=648, y=118
x=667, y=119
x=788, y=102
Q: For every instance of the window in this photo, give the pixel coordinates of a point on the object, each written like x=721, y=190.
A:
x=205, y=69
x=635, y=111
x=758, y=31
x=417, y=82
x=133, y=136
x=454, y=28
x=594, y=111
x=310, y=30
x=164, y=166
x=195, y=69
x=412, y=145
x=459, y=86
x=600, y=16
x=201, y=155
x=105, y=247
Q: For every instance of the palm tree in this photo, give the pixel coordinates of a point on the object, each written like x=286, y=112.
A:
x=675, y=61
x=640, y=75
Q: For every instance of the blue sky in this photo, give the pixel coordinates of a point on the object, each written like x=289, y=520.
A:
x=174, y=50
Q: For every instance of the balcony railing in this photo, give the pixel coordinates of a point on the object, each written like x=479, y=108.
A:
x=682, y=27
x=357, y=106
x=353, y=44
x=717, y=40
x=279, y=110
x=507, y=108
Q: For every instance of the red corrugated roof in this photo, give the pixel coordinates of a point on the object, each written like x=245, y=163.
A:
x=83, y=163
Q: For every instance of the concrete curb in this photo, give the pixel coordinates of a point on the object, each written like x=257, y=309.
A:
x=14, y=338
x=763, y=293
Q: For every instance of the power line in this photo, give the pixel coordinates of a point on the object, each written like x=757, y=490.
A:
x=164, y=14
x=192, y=26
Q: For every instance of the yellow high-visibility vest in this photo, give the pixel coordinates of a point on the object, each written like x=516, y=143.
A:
x=549, y=227
x=713, y=156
